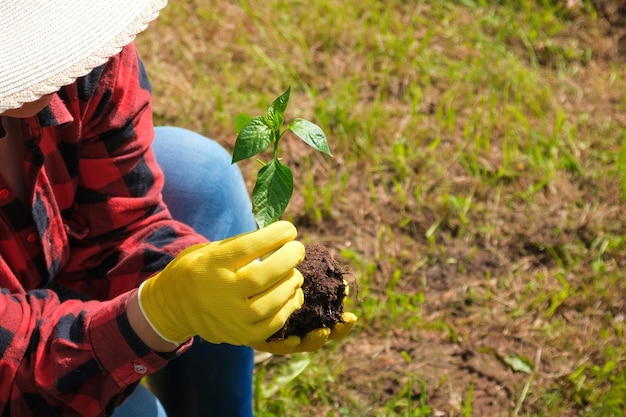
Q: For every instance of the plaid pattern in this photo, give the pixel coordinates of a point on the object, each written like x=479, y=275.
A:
x=95, y=228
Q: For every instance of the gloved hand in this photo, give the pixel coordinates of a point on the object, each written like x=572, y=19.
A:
x=223, y=293
x=311, y=341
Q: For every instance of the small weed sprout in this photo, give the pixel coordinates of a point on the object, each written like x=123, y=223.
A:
x=274, y=183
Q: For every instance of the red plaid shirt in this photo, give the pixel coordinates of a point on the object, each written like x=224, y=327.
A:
x=95, y=225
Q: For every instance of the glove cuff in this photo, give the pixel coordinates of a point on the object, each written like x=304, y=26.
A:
x=150, y=316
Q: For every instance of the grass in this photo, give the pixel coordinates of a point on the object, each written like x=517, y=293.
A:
x=477, y=192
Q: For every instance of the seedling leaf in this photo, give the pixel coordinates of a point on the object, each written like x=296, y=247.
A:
x=254, y=138
x=241, y=120
x=312, y=134
x=276, y=111
x=274, y=183
x=272, y=192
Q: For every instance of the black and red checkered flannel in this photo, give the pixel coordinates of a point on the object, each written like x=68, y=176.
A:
x=96, y=225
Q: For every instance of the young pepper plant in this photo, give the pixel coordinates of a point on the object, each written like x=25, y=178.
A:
x=274, y=183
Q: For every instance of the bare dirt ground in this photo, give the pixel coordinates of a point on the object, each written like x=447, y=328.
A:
x=449, y=362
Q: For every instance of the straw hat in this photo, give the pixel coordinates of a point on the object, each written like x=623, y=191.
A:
x=46, y=44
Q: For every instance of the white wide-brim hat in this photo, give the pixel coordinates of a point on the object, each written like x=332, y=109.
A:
x=46, y=44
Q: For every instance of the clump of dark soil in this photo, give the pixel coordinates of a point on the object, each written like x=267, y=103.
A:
x=324, y=290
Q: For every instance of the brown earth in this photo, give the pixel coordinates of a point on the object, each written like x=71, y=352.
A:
x=324, y=290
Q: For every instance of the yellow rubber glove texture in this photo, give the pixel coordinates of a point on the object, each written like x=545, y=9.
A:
x=222, y=292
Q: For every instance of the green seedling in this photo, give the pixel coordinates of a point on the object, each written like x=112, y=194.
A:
x=274, y=183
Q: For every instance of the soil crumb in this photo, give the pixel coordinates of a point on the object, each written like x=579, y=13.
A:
x=324, y=291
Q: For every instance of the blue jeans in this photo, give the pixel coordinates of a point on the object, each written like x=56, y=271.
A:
x=204, y=190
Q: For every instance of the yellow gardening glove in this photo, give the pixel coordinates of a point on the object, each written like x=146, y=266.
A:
x=311, y=341
x=223, y=293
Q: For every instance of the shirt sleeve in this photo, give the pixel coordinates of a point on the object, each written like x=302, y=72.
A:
x=68, y=359
x=80, y=358
x=120, y=230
